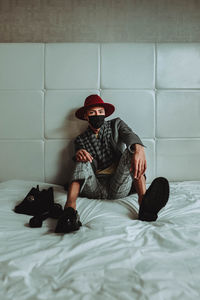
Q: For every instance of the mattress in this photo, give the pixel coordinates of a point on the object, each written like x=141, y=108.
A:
x=113, y=255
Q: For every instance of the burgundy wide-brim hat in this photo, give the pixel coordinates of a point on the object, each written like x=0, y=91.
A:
x=94, y=100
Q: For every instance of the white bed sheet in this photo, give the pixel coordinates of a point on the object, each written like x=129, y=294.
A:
x=112, y=256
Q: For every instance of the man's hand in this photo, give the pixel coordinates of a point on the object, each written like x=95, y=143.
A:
x=83, y=156
x=138, y=162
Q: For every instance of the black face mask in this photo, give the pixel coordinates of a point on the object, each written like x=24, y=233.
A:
x=96, y=121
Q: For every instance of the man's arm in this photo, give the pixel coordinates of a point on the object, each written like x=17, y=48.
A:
x=136, y=147
x=138, y=162
x=81, y=154
x=127, y=135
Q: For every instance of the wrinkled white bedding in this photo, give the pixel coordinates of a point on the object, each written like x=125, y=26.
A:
x=112, y=256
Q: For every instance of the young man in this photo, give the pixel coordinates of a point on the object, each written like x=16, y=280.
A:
x=106, y=169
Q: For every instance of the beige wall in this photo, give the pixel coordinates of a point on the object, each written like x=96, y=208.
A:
x=99, y=21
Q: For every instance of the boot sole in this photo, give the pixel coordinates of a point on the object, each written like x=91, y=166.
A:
x=155, y=198
x=68, y=228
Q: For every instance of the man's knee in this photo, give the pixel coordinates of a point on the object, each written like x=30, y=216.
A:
x=83, y=165
x=81, y=171
x=126, y=157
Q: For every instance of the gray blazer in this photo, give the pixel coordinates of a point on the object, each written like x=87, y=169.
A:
x=123, y=135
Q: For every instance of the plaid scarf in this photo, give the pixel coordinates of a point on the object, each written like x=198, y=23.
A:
x=99, y=147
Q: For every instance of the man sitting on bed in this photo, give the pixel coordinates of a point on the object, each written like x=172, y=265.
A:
x=104, y=170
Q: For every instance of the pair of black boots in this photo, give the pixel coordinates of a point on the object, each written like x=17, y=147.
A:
x=40, y=205
x=153, y=201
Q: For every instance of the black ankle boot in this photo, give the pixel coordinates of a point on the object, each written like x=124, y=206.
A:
x=36, y=202
x=68, y=221
x=154, y=199
x=54, y=212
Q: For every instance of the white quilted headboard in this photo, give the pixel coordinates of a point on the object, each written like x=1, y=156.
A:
x=155, y=88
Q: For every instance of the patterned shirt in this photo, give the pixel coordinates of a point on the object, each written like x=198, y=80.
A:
x=98, y=146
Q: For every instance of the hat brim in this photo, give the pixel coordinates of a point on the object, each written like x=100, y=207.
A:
x=109, y=109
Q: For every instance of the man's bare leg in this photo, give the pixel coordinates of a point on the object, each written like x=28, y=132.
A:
x=140, y=186
x=72, y=194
